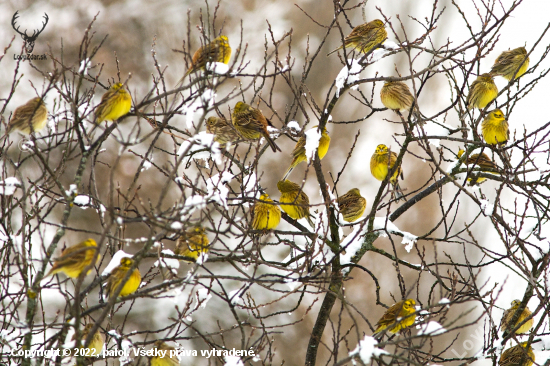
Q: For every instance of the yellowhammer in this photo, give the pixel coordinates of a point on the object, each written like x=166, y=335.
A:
x=296, y=201
x=365, y=37
x=396, y=95
x=167, y=359
x=494, y=128
x=75, y=259
x=506, y=321
x=193, y=243
x=115, y=103
x=117, y=275
x=398, y=316
x=30, y=117
x=517, y=356
x=299, y=152
x=251, y=124
x=482, y=92
x=96, y=345
x=222, y=130
x=351, y=205
x=482, y=161
x=508, y=63
x=381, y=162
x=216, y=51
x=265, y=216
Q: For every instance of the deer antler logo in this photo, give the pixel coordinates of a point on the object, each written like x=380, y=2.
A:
x=29, y=40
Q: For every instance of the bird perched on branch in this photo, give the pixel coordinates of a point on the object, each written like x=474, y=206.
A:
x=167, y=359
x=351, y=205
x=265, y=215
x=222, y=130
x=115, y=103
x=96, y=345
x=482, y=92
x=398, y=316
x=75, y=259
x=299, y=152
x=251, y=124
x=365, y=37
x=508, y=63
x=118, y=274
x=193, y=243
x=397, y=96
x=494, y=128
x=480, y=160
x=506, y=322
x=517, y=356
x=216, y=51
x=294, y=201
x=381, y=162
x=30, y=117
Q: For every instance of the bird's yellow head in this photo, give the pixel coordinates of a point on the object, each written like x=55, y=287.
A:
x=116, y=86
x=90, y=243
x=355, y=192
x=211, y=121
x=381, y=149
x=286, y=186
x=515, y=303
x=126, y=262
x=487, y=78
x=460, y=153
x=522, y=51
x=409, y=304
x=265, y=197
x=88, y=327
x=377, y=23
x=38, y=101
x=198, y=230
x=496, y=115
x=222, y=39
x=240, y=107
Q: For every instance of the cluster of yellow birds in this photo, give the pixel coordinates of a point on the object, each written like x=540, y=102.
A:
x=249, y=123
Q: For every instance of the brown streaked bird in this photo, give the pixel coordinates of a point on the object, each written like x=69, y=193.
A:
x=399, y=316
x=222, y=130
x=251, y=124
x=294, y=201
x=517, y=356
x=30, y=117
x=365, y=37
x=75, y=259
x=193, y=243
x=480, y=160
x=508, y=62
x=216, y=51
x=299, y=152
x=482, y=92
x=505, y=322
x=351, y=205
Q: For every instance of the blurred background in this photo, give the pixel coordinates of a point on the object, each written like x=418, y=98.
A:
x=131, y=27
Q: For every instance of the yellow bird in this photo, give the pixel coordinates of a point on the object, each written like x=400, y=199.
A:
x=294, y=201
x=115, y=103
x=508, y=63
x=396, y=95
x=494, y=128
x=265, y=215
x=216, y=51
x=299, y=152
x=251, y=124
x=482, y=92
x=381, y=162
x=399, y=316
x=193, y=243
x=222, y=130
x=365, y=37
x=75, y=259
x=482, y=161
x=167, y=359
x=30, y=117
x=96, y=345
x=351, y=205
x=517, y=356
x=117, y=275
x=506, y=321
